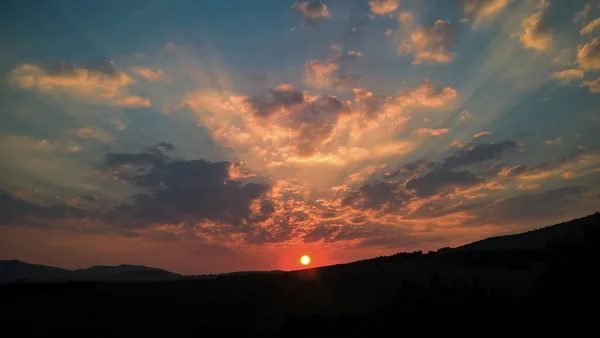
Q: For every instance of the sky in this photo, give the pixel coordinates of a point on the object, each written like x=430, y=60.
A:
x=216, y=136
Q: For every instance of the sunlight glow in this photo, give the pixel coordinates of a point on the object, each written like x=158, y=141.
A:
x=305, y=260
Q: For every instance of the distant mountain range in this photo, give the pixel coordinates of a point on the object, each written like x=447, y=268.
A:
x=15, y=270
x=18, y=271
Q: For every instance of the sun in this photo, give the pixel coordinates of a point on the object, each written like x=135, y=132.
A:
x=305, y=260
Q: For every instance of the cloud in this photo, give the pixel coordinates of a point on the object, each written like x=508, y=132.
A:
x=283, y=97
x=588, y=55
x=482, y=133
x=382, y=7
x=312, y=10
x=457, y=144
x=175, y=191
x=350, y=56
x=386, y=196
x=319, y=73
x=104, y=86
x=348, y=80
x=556, y=141
x=568, y=75
x=16, y=211
x=92, y=133
x=482, y=9
x=423, y=180
x=536, y=33
x=437, y=181
x=148, y=74
x=593, y=86
x=464, y=115
x=309, y=121
x=589, y=28
x=426, y=95
x=478, y=153
x=532, y=186
x=581, y=163
x=583, y=14
x=430, y=131
x=531, y=207
x=428, y=43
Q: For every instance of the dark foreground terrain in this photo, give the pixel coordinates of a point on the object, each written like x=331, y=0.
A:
x=541, y=280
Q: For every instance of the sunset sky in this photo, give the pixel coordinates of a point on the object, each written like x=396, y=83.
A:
x=216, y=136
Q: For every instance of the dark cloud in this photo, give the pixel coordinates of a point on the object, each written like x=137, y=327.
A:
x=423, y=179
x=179, y=189
x=377, y=196
x=275, y=234
x=410, y=169
x=315, y=123
x=438, y=180
x=276, y=99
x=478, y=153
x=342, y=232
x=439, y=209
x=16, y=211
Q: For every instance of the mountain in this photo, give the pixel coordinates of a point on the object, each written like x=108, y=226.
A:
x=535, y=240
x=538, y=239
x=15, y=270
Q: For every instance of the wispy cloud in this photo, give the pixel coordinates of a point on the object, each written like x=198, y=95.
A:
x=94, y=85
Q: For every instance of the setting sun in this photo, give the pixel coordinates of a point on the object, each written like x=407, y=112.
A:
x=305, y=260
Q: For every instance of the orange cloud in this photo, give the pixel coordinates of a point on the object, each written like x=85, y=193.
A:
x=430, y=131
x=319, y=73
x=383, y=6
x=589, y=28
x=95, y=86
x=482, y=9
x=588, y=55
x=92, y=133
x=312, y=10
x=428, y=43
x=483, y=133
x=148, y=74
x=568, y=75
x=536, y=34
x=593, y=86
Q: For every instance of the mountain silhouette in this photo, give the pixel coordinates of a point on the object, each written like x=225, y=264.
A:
x=15, y=270
x=533, y=240
x=488, y=283
x=538, y=239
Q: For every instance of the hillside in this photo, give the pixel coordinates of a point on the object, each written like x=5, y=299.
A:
x=538, y=239
x=535, y=240
x=366, y=298
x=15, y=270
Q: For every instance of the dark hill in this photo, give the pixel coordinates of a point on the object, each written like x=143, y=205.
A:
x=14, y=270
x=412, y=292
x=538, y=239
